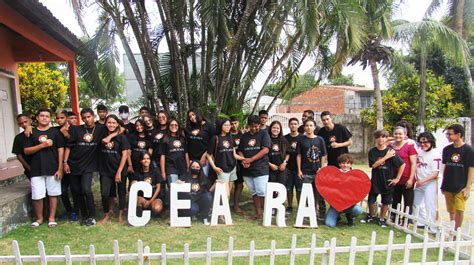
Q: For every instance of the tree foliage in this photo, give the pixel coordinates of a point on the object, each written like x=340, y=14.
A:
x=402, y=99
x=41, y=87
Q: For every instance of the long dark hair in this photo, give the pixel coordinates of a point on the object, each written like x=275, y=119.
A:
x=219, y=124
x=142, y=123
x=113, y=116
x=429, y=136
x=283, y=142
x=179, y=133
x=199, y=119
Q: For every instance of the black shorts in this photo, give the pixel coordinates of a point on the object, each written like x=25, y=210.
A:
x=386, y=198
x=240, y=177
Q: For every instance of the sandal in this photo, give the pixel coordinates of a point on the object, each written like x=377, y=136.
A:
x=52, y=224
x=35, y=224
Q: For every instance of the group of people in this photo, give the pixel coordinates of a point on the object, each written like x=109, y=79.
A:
x=161, y=151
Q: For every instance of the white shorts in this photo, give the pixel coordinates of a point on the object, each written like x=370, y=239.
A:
x=42, y=184
x=230, y=176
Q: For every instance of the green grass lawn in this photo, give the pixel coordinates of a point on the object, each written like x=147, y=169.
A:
x=158, y=231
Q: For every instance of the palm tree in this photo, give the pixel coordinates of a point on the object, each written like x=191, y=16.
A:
x=379, y=27
x=421, y=35
x=460, y=18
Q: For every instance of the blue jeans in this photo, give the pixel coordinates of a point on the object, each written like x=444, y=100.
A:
x=202, y=205
x=172, y=178
x=257, y=185
x=293, y=181
x=332, y=214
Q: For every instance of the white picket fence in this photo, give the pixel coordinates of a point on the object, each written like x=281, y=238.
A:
x=445, y=240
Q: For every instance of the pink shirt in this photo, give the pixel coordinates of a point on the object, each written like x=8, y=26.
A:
x=404, y=153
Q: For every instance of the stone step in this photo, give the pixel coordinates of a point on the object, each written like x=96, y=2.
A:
x=15, y=206
x=11, y=172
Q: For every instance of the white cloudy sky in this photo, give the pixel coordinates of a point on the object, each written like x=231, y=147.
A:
x=411, y=10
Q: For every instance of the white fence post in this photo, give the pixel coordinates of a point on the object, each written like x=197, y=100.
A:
x=371, y=249
x=116, y=253
x=313, y=248
x=352, y=253
x=324, y=259
x=397, y=216
x=163, y=254
x=16, y=252
x=441, y=244
x=208, y=251
x=92, y=255
x=67, y=255
x=293, y=249
x=456, y=245
x=406, y=252
x=140, y=252
x=251, y=252
x=272, y=252
x=332, y=251
x=424, y=252
x=146, y=259
x=186, y=254
x=388, y=261
x=42, y=253
x=230, y=254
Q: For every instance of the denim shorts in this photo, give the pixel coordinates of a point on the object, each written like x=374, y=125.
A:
x=257, y=185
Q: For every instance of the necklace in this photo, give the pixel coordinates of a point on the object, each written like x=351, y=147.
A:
x=88, y=137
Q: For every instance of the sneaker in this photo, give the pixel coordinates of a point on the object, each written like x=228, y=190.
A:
x=382, y=223
x=90, y=222
x=64, y=217
x=368, y=219
x=194, y=218
x=205, y=221
x=73, y=217
x=350, y=221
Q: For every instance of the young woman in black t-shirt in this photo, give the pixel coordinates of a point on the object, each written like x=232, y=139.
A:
x=147, y=173
x=174, y=159
x=278, y=155
x=113, y=174
x=222, y=156
x=198, y=132
x=139, y=145
x=199, y=195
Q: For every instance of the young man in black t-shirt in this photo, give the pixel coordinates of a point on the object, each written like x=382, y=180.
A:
x=263, y=115
x=336, y=136
x=19, y=144
x=102, y=112
x=239, y=182
x=457, y=172
x=46, y=146
x=384, y=163
x=307, y=114
x=124, y=113
x=81, y=161
x=254, y=146
x=293, y=181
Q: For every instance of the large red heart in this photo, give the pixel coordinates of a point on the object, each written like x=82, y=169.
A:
x=342, y=190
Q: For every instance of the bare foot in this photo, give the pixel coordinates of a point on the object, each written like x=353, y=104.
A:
x=120, y=217
x=256, y=217
x=105, y=219
x=238, y=211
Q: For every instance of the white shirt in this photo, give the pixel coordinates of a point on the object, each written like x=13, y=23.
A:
x=427, y=163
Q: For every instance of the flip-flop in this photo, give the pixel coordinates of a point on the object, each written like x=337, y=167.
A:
x=35, y=224
x=52, y=224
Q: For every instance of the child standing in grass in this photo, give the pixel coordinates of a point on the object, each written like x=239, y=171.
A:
x=383, y=162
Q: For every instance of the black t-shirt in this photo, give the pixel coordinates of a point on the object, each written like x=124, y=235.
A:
x=84, y=143
x=278, y=150
x=224, y=153
x=174, y=149
x=198, y=138
x=293, y=144
x=156, y=138
x=385, y=172
x=139, y=145
x=111, y=154
x=45, y=161
x=339, y=134
x=236, y=138
x=19, y=143
x=199, y=186
x=250, y=145
x=153, y=177
x=130, y=128
x=457, y=162
x=311, y=151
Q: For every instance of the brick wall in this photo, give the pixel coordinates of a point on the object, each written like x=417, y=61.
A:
x=318, y=99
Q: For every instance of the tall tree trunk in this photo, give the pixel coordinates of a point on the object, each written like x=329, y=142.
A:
x=458, y=18
x=191, y=26
x=377, y=93
x=422, y=103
